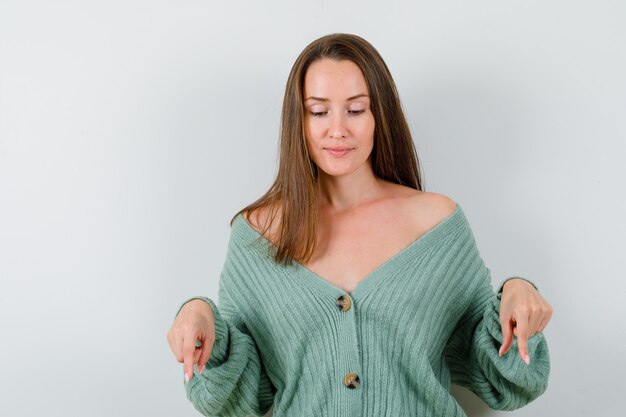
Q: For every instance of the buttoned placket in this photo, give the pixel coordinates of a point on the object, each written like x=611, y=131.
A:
x=351, y=380
x=349, y=374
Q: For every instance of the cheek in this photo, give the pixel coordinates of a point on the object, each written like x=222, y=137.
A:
x=313, y=130
x=310, y=138
x=366, y=129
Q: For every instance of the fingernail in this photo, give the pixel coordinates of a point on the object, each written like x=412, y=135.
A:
x=527, y=360
x=201, y=369
x=500, y=351
x=186, y=377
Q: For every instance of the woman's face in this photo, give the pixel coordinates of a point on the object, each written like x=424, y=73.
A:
x=338, y=122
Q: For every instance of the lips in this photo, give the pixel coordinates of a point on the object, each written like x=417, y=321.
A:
x=338, y=151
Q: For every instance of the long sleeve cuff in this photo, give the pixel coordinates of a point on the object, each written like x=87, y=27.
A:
x=234, y=381
x=508, y=383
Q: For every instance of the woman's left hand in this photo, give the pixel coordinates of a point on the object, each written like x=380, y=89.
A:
x=523, y=312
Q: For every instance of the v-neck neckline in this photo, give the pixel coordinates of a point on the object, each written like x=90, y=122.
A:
x=370, y=279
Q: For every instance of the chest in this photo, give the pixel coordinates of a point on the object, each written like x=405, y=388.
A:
x=347, y=252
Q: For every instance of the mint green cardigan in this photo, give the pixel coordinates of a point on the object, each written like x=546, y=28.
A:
x=424, y=319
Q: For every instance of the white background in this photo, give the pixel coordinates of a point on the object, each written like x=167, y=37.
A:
x=132, y=131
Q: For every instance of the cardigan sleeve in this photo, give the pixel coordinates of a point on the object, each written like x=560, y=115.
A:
x=234, y=381
x=503, y=383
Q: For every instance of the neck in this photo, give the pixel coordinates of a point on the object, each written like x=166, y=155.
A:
x=343, y=192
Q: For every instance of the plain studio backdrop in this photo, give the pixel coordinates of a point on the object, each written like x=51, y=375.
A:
x=132, y=131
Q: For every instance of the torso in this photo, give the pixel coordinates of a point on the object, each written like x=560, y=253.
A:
x=353, y=243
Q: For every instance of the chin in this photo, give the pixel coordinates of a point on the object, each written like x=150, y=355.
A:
x=340, y=167
x=336, y=171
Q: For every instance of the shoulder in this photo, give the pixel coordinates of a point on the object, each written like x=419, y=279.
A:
x=426, y=203
x=260, y=218
x=425, y=209
x=419, y=210
x=434, y=206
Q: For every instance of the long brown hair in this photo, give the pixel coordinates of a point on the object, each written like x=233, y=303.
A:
x=393, y=155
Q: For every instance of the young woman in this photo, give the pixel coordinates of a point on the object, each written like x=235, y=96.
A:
x=348, y=289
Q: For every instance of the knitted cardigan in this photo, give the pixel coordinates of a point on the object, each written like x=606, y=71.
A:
x=425, y=318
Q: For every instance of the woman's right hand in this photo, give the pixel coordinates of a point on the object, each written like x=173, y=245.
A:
x=195, y=321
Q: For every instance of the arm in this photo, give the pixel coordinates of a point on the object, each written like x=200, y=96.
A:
x=502, y=382
x=234, y=381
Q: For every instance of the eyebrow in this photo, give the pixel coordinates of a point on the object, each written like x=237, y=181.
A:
x=325, y=99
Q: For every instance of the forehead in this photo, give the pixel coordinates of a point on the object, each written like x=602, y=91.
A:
x=331, y=78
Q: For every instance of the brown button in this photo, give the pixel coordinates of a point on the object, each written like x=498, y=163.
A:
x=351, y=380
x=344, y=303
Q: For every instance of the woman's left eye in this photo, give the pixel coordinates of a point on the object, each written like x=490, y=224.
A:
x=356, y=111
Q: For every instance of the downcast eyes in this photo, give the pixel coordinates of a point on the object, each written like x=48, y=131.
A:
x=322, y=113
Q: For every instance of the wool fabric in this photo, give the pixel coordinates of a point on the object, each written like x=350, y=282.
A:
x=426, y=318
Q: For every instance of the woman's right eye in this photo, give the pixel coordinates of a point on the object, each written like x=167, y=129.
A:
x=318, y=113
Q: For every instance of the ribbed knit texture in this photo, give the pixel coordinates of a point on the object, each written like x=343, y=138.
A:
x=424, y=319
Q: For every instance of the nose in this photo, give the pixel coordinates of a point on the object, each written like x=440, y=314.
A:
x=338, y=127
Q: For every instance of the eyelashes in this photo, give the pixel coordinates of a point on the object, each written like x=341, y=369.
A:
x=322, y=113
